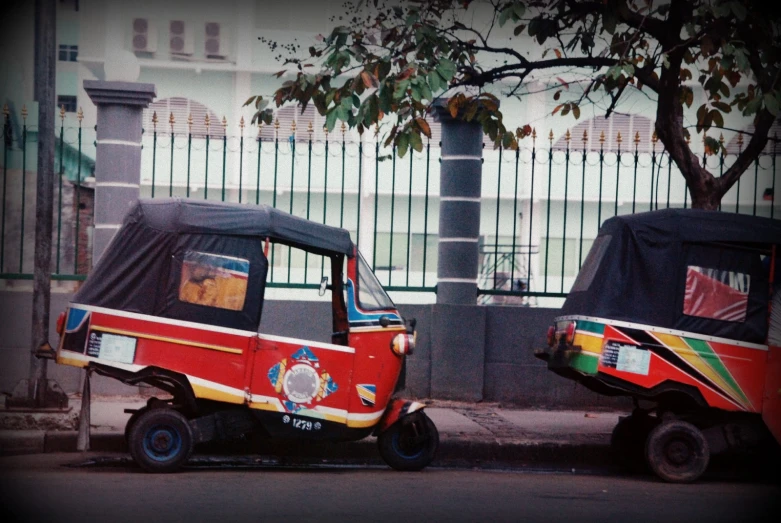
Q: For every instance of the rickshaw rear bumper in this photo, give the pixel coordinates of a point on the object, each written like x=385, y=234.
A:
x=557, y=357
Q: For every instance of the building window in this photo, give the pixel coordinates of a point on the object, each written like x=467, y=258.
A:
x=183, y=111
x=68, y=53
x=67, y=101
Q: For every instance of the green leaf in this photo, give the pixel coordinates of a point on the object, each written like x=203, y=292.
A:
x=771, y=103
x=609, y=22
x=415, y=141
x=400, y=89
x=402, y=144
x=446, y=68
x=330, y=120
x=504, y=15
x=739, y=10
x=249, y=101
x=356, y=100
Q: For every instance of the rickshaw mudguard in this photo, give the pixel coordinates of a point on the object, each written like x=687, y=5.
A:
x=771, y=406
x=397, y=409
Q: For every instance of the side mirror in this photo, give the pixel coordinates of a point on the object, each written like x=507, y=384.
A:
x=323, y=286
x=384, y=321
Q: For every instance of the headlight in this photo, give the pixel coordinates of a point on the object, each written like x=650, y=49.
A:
x=403, y=344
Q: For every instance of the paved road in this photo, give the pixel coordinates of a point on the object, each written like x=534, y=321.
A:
x=40, y=488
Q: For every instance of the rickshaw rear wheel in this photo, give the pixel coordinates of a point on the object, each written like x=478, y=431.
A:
x=409, y=444
x=161, y=440
x=677, y=451
x=132, y=421
x=627, y=441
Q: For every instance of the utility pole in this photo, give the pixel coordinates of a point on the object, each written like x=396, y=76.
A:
x=45, y=63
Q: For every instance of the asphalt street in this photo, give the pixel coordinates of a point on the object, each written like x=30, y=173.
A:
x=44, y=487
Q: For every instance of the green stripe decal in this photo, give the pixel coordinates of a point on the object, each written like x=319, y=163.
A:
x=710, y=358
x=584, y=363
x=590, y=326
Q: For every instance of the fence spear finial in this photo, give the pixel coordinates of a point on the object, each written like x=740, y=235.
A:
x=79, y=115
x=550, y=135
x=154, y=120
x=62, y=112
x=224, y=123
x=618, y=139
x=602, y=137
x=534, y=135
x=637, y=138
x=171, y=121
x=241, y=125
x=585, y=137
x=24, y=114
x=567, y=136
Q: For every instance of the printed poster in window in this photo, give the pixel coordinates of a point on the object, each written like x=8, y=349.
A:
x=715, y=293
x=214, y=280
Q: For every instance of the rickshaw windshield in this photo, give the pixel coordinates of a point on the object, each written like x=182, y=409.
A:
x=371, y=295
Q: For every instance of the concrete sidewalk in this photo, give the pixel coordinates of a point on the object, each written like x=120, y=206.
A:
x=471, y=434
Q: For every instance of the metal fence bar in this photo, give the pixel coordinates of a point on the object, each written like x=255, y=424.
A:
x=392, y=213
x=564, y=225
x=498, y=204
x=59, y=190
x=409, y=218
x=171, y=120
x=77, y=207
x=425, y=210
x=515, y=217
x=6, y=140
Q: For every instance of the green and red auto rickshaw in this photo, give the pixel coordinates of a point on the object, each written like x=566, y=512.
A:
x=680, y=310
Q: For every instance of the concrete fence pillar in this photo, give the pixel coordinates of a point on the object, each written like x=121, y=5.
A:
x=118, y=155
x=460, y=181
x=458, y=324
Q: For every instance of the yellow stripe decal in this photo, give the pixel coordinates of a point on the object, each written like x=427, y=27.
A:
x=168, y=340
x=682, y=349
x=590, y=344
x=208, y=393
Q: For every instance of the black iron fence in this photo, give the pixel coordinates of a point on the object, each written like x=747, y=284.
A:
x=541, y=206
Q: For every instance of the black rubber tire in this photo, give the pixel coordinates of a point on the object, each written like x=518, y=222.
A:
x=132, y=420
x=627, y=442
x=161, y=440
x=410, y=444
x=677, y=452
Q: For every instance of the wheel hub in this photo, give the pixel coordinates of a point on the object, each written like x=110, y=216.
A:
x=678, y=452
x=162, y=441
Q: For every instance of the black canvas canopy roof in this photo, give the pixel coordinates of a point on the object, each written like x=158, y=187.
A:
x=185, y=216
x=636, y=270
x=140, y=269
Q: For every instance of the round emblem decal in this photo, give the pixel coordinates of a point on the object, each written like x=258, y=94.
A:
x=301, y=383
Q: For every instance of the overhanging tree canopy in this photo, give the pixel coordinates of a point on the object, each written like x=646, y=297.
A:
x=398, y=59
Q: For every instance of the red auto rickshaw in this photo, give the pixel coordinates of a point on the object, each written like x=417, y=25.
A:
x=175, y=302
x=679, y=309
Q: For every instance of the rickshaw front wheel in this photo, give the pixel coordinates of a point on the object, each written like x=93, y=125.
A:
x=677, y=451
x=160, y=440
x=409, y=444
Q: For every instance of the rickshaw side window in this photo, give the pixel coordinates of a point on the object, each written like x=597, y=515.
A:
x=591, y=264
x=371, y=295
x=716, y=294
x=214, y=280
